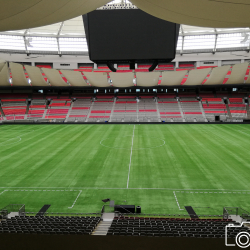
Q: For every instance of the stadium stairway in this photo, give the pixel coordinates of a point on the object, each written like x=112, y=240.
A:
x=45, y=111
x=26, y=113
x=102, y=228
x=2, y=113
x=248, y=112
x=89, y=114
x=179, y=104
x=228, y=112
x=67, y=116
x=158, y=112
x=112, y=111
x=203, y=112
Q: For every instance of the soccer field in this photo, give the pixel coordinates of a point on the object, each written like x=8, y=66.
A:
x=162, y=168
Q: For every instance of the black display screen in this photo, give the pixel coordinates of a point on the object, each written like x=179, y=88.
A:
x=120, y=35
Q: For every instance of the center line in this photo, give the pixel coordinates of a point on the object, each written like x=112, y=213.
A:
x=131, y=155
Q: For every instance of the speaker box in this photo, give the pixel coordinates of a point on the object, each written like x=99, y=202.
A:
x=125, y=209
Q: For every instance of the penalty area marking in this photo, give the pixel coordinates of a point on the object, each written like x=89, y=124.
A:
x=48, y=191
x=177, y=201
x=3, y=192
x=76, y=199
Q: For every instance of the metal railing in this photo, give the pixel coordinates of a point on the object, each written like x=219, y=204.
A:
x=53, y=214
x=13, y=208
x=227, y=211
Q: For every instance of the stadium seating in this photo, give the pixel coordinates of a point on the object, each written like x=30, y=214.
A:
x=14, y=109
x=49, y=225
x=58, y=109
x=171, y=227
x=125, y=110
x=237, y=108
x=80, y=110
x=169, y=109
x=214, y=107
x=37, y=109
x=101, y=109
x=186, y=107
x=147, y=109
x=192, y=110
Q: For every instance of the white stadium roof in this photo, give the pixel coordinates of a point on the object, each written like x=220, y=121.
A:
x=68, y=37
x=16, y=14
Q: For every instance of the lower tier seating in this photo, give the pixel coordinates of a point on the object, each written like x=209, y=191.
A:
x=165, y=227
x=167, y=108
x=49, y=225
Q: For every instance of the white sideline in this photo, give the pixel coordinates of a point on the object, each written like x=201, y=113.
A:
x=100, y=188
x=76, y=199
x=131, y=155
x=177, y=201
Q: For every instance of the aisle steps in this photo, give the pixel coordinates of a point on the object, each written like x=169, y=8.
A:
x=102, y=228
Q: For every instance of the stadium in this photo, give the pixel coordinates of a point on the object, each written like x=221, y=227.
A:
x=124, y=124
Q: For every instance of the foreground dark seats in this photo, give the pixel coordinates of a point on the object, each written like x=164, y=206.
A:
x=209, y=228
x=49, y=225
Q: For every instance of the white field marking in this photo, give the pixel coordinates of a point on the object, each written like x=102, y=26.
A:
x=101, y=142
x=18, y=136
x=244, y=132
x=42, y=190
x=212, y=192
x=76, y=199
x=97, y=188
x=177, y=201
x=131, y=155
x=3, y=192
x=12, y=142
x=47, y=191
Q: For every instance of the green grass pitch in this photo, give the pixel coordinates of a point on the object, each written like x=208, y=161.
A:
x=162, y=168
